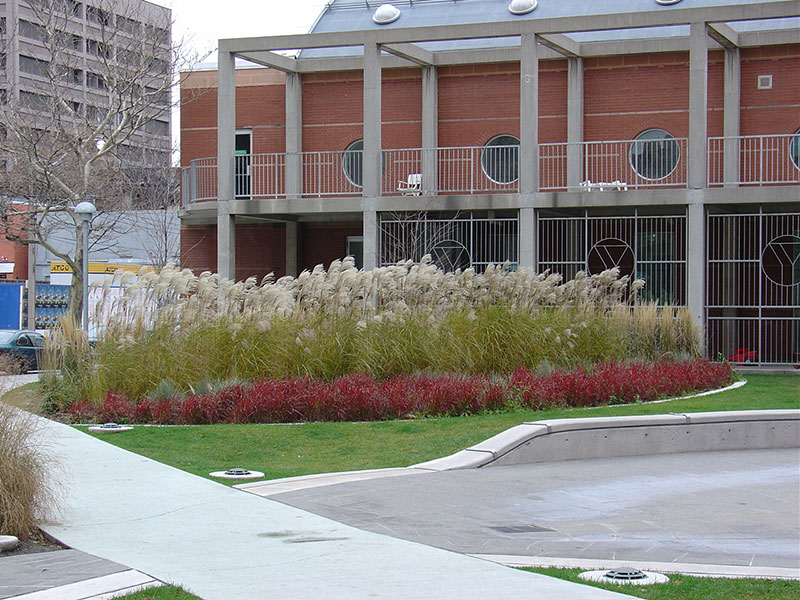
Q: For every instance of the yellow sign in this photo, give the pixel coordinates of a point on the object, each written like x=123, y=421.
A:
x=103, y=268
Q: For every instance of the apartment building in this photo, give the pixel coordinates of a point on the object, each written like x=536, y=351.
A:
x=658, y=136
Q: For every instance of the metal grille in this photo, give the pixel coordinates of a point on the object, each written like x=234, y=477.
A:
x=652, y=248
x=456, y=241
x=753, y=287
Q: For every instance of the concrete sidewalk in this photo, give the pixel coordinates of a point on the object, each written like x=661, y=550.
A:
x=223, y=543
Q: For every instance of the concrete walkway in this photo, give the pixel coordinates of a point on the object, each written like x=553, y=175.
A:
x=227, y=544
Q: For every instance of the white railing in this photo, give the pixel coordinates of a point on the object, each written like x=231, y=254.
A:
x=614, y=165
x=332, y=173
x=478, y=169
x=754, y=160
x=199, y=180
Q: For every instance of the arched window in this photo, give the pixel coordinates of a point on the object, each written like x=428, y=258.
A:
x=500, y=159
x=654, y=154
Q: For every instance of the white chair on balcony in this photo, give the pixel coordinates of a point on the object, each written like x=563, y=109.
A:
x=588, y=186
x=411, y=187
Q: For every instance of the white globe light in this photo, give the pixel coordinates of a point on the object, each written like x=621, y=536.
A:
x=385, y=14
x=522, y=7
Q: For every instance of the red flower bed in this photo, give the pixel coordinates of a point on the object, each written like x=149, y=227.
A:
x=359, y=397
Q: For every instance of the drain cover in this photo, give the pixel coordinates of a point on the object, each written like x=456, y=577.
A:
x=237, y=473
x=624, y=576
x=109, y=428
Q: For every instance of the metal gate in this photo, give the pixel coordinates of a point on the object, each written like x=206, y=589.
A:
x=455, y=241
x=649, y=247
x=753, y=287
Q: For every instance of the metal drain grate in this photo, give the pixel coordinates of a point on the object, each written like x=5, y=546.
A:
x=520, y=529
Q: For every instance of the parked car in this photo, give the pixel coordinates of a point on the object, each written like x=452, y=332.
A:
x=742, y=356
x=20, y=351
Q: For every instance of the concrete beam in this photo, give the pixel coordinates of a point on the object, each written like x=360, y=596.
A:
x=562, y=44
x=630, y=20
x=723, y=34
x=226, y=135
x=696, y=258
x=271, y=60
x=698, y=106
x=410, y=52
x=294, y=134
x=430, y=130
x=731, y=115
x=574, y=122
x=372, y=163
x=529, y=116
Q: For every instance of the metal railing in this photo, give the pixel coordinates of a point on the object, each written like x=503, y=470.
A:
x=615, y=165
x=754, y=160
x=597, y=166
x=200, y=178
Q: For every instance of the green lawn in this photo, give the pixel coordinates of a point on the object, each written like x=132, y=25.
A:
x=167, y=592
x=683, y=587
x=290, y=450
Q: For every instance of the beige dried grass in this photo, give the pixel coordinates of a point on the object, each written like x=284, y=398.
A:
x=27, y=493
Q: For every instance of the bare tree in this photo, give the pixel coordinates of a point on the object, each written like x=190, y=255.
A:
x=90, y=119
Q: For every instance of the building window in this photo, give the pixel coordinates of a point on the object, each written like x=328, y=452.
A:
x=32, y=31
x=794, y=149
x=33, y=66
x=654, y=154
x=500, y=159
x=353, y=163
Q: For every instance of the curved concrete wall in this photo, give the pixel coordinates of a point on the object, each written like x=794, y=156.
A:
x=603, y=437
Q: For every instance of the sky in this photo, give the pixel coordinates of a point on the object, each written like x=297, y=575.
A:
x=200, y=23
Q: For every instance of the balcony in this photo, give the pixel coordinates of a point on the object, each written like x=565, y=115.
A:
x=588, y=166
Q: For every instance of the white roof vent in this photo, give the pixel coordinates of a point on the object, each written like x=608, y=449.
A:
x=386, y=14
x=667, y=2
x=522, y=7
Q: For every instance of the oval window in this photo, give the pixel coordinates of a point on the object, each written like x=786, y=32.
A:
x=794, y=149
x=500, y=159
x=654, y=154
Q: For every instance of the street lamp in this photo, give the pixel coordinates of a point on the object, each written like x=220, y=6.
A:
x=85, y=212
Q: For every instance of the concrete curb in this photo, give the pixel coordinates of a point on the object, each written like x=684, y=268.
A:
x=604, y=437
x=106, y=587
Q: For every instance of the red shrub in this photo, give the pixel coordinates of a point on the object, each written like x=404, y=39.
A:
x=359, y=397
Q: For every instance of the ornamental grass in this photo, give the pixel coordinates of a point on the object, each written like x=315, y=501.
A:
x=174, y=332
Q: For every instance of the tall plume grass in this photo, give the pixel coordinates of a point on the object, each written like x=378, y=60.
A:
x=173, y=330
x=26, y=495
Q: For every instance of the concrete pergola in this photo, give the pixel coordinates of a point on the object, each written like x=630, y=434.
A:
x=539, y=39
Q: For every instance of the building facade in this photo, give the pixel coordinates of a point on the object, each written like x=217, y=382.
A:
x=658, y=136
x=87, y=37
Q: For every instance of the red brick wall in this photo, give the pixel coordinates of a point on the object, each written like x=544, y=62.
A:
x=322, y=243
x=199, y=249
x=624, y=95
x=260, y=249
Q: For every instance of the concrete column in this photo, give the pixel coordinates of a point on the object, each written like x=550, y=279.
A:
x=529, y=115
x=294, y=135
x=226, y=135
x=732, y=115
x=696, y=253
x=372, y=165
x=430, y=130
x=370, y=239
x=574, y=122
x=698, y=105
x=291, y=248
x=527, y=238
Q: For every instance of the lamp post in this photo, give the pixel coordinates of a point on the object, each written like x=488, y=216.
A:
x=85, y=211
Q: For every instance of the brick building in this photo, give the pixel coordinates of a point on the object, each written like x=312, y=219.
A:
x=660, y=136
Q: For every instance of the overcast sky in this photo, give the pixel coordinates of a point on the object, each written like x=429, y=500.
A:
x=202, y=22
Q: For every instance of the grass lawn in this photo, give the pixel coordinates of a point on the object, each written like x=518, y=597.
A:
x=167, y=592
x=289, y=450
x=684, y=587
